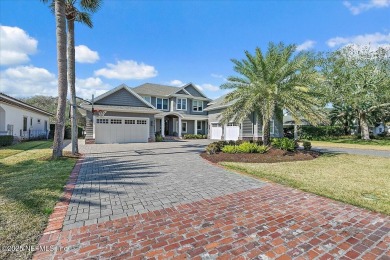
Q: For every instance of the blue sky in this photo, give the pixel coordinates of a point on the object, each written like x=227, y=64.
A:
x=174, y=42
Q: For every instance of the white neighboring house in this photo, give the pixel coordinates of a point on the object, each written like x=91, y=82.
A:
x=22, y=120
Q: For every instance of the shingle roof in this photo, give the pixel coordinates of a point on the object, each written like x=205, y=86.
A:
x=8, y=99
x=155, y=89
x=218, y=103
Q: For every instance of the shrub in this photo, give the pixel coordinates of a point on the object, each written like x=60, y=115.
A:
x=306, y=145
x=261, y=148
x=212, y=148
x=283, y=143
x=245, y=147
x=193, y=136
x=159, y=138
x=6, y=140
x=320, y=132
x=230, y=149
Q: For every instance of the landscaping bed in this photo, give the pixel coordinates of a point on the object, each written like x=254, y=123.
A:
x=273, y=155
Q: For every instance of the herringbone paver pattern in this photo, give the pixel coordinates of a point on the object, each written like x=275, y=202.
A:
x=272, y=222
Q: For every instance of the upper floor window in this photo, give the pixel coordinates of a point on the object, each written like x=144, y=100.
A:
x=197, y=105
x=181, y=103
x=162, y=103
x=147, y=98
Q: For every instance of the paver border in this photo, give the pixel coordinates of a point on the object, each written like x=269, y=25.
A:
x=56, y=219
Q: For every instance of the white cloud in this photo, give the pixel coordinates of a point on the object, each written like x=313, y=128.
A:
x=375, y=40
x=16, y=45
x=85, y=55
x=208, y=87
x=309, y=44
x=176, y=83
x=127, y=69
x=86, y=87
x=25, y=81
x=362, y=7
x=218, y=76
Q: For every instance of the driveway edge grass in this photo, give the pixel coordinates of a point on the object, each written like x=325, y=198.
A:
x=31, y=184
x=368, y=197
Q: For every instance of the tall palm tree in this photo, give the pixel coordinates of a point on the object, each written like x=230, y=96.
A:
x=59, y=11
x=72, y=15
x=270, y=82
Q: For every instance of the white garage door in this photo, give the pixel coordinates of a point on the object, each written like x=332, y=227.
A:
x=216, y=131
x=121, y=130
x=232, y=132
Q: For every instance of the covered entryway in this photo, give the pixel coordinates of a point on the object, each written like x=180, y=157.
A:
x=232, y=132
x=121, y=130
x=216, y=131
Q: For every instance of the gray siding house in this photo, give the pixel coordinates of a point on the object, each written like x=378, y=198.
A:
x=124, y=114
x=249, y=128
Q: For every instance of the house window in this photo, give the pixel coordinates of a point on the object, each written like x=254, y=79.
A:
x=197, y=105
x=181, y=104
x=31, y=120
x=272, y=126
x=199, y=125
x=148, y=99
x=25, y=123
x=116, y=121
x=184, y=127
x=101, y=121
x=141, y=122
x=162, y=103
x=129, y=122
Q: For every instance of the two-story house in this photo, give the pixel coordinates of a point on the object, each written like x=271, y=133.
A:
x=124, y=114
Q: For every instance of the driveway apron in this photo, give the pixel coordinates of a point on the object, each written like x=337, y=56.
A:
x=162, y=201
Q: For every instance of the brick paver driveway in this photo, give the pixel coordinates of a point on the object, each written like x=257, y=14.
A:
x=162, y=201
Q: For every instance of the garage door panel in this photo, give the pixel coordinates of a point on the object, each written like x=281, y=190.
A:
x=122, y=130
x=232, y=132
x=216, y=131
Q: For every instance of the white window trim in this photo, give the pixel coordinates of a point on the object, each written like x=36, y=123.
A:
x=162, y=104
x=194, y=100
x=177, y=103
x=272, y=123
x=201, y=125
x=182, y=123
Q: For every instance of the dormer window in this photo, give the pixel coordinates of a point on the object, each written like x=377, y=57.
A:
x=181, y=104
x=147, y=98
x=197, y=106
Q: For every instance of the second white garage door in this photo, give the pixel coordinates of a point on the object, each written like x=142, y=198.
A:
x=121, y=130
x=232, y=132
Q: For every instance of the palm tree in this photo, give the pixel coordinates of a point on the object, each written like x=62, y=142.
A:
x=59, y=11
x=344, y=115
x=72, y=15
x=270, y=82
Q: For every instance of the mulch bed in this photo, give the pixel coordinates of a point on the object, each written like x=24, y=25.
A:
x=271, y=156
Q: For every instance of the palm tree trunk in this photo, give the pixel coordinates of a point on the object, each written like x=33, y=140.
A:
x=266, y=132
x=72, y=85
x=364, y=126
x=62, y=84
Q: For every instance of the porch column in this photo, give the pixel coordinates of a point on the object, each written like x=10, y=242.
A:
x=179, y=130
x=163, y=127
x=196, y=127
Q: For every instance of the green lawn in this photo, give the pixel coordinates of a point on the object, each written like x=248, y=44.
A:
x=363, y=181
x=30, y=185
x=383, y=145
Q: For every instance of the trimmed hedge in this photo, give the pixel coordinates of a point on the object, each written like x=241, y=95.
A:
x=6, y=140
x=284, y=144
x=320, y=132
x=193, y=136
x=238, y=146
